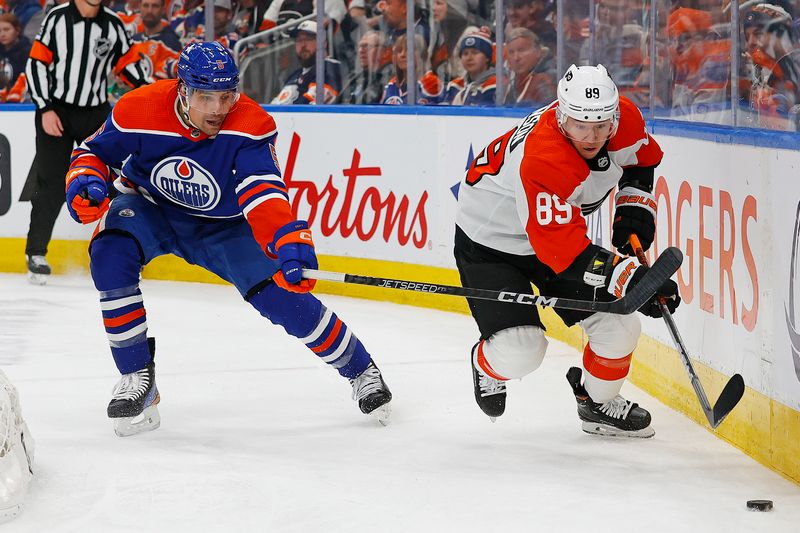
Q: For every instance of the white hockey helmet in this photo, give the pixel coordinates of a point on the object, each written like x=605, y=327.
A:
x=587, y=94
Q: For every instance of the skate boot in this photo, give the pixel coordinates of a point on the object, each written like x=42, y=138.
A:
x=372, y=394
x=134, y=400
x=615, y=418
x=490, y=393
x=38, y=269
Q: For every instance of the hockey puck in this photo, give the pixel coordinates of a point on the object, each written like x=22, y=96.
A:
x=759, y=505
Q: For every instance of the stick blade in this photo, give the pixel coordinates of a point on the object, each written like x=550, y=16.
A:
x=664, y=267
x=730, y=396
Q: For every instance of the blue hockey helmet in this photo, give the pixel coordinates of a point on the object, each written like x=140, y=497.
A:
x=208, y=67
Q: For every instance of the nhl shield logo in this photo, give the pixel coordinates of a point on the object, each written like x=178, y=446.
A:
x=102, y=47
x=186, y=183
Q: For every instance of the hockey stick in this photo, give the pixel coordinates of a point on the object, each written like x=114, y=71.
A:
x=667, y=264
x=733, y=390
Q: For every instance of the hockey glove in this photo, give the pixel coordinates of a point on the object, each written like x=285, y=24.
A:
x=636, y=213
x=294, y=248
x=627, y=273
x=87, y=195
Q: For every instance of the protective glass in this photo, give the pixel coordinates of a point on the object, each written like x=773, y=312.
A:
x=590, y=132
x=215, y=102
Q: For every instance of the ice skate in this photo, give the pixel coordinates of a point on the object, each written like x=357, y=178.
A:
x=38, y=269
x=615, y=418
x=133, y=407
x=490, y=393
x=372, y=394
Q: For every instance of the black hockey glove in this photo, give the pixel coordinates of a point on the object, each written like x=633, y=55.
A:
x=636, y=213
x=669, y=290
x=599, y=267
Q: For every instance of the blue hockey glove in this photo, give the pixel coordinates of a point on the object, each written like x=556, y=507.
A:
x=87, y=195
x=294, y=248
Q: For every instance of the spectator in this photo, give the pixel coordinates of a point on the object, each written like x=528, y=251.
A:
x=70, y=106
x=14, y=51
x=25, y=11
x=532, y=14
x=477, y=86
x=365, y=85
x=621, y=48
x=701, y=64
x=429, y=86
x=131, y=17
x=157, y=44
x=192, y=27
x=155, y=27
x=533, y=67
x=772, y=63
x=395, y=19
x=449, y=20
x=250, y=16
x=301, y=85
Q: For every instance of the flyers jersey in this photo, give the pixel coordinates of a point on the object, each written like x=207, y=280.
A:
x=528, y=191
x=160, y=157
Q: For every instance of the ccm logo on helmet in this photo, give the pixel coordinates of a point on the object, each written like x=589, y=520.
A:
x=216, y=80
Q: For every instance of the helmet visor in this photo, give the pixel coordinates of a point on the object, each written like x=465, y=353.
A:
x=589, y=132
x=213, y=102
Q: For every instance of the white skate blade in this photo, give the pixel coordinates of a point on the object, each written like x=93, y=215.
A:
x=37, y=279
x=596, y=428
x=147, y=421
x=383, y=413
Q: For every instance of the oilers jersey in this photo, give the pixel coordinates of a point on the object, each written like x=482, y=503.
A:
x=301, y=85
x=430, y=91
x=177, y=167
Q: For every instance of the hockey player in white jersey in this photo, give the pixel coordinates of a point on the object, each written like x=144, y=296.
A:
x=520, y=220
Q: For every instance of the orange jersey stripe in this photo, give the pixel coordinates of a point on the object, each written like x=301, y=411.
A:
x=332, y=337
x=604, y=368
x=124, y=319
x=255, y=190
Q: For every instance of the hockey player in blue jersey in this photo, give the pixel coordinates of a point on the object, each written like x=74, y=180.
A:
x=199, y=179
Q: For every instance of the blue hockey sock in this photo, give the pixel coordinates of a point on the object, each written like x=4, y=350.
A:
x=115, y=266
x=304, y=317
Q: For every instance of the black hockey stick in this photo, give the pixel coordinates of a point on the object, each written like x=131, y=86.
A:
x=667, y=264
x=733, y=390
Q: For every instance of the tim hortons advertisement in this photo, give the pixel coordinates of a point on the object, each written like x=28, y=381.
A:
x=385, y=192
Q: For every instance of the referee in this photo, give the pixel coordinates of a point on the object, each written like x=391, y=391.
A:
x=78, y=46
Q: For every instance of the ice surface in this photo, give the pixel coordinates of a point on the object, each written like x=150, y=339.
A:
x=258, y=435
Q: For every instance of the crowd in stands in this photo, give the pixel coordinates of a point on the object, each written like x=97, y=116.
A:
x=456, y=59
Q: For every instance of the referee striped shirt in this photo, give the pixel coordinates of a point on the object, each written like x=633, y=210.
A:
x=72, y=58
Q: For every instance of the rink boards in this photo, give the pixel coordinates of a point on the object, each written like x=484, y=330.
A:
x=380, y=193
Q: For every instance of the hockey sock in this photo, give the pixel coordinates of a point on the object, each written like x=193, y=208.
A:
x=115, y=266
x=304, y=317
x=604, y=375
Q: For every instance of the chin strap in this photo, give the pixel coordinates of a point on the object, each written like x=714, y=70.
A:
x=183, y=109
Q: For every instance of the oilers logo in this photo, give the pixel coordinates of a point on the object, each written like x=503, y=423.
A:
x=186, y=183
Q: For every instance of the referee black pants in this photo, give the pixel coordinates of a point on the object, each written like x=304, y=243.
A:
x=52, y=163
